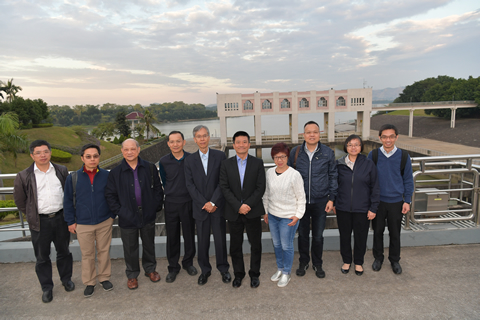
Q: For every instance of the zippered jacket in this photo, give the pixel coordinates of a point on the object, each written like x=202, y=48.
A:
x=319, y=175
x=91, y=207
x=120, y=194
x=25, y=193
x=358, y=189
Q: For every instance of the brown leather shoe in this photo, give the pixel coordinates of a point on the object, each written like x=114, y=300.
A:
x=154, y=276
x=132, y=284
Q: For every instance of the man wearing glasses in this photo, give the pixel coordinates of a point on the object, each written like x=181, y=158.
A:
x=316, y=164
x=38, y=192
x=88, y=215
x=396, y=189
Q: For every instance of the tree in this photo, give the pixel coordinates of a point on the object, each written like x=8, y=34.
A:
x=10, y=89
x=10, y=139
x=121, y=124
x=104, y=129
x=148, y=121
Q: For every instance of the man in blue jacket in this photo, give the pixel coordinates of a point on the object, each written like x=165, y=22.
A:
x=134, y=193
x=87, y=214
x=396, y=189
x=316, y=164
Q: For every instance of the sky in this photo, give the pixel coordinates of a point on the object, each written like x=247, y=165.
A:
x=153, y=51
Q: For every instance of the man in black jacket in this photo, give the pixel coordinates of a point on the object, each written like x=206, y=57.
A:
x=202, y=173
x=242, y=180
x=134, y=193
x=178, y=207
x=38, y=192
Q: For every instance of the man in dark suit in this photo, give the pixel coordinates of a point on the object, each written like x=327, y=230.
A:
x=202, y=172
x=242, y=180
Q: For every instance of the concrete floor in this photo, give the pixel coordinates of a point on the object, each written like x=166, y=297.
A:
x=441, y=282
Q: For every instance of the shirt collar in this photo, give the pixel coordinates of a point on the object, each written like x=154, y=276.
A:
x=348, y=161
x=35, y=168
x=202, y=154
x=173, y=157
x=388, y=153
x=88, y=171
x=240, y=159
x=308, y=151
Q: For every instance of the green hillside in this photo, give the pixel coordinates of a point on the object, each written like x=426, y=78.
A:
x=61, y=136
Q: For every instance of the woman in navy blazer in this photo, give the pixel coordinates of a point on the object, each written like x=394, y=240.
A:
x=356, y=202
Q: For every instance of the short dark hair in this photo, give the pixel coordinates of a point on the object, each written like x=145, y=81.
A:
x=280, y=147
x=39, y=143
x=310, y=122
x=89, y=146
x=241, y=134
x=175, y=132
x=387, y=127
x=350, y=138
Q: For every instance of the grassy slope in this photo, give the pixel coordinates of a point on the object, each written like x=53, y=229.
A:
x=420, y=113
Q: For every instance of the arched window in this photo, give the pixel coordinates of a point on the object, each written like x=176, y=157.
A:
x=322, y=102
x=304, y=103
x=285, y=104
x=340, y=102
x=248, y=105
x=266, y=104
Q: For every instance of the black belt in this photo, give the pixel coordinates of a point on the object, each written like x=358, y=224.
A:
x=51, y=215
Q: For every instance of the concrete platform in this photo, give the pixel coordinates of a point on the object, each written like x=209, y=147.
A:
x=436, y=146
x=441, y=282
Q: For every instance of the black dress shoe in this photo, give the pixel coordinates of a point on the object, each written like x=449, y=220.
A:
x=171, y=276
x=319, y=272
x=302, y=268
x=47, y=296
x=397, y=269
x=226, y=277
x=358, y=273
x=203, y=278
x=377, y=265
x=69, y=286
x=345, y=271
x=254, y=282
x=237, y=282
x=191, y=270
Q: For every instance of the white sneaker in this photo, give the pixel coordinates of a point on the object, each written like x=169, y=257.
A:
x=276, y=276
x=284, y=280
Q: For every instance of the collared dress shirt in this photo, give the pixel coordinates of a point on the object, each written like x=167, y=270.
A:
x=309, y=153
x=49, y=190
x=388, y=154
x=204, y=157
x=349, y=163
x=242, y=164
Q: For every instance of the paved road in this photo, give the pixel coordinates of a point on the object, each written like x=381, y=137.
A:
x=440, y=282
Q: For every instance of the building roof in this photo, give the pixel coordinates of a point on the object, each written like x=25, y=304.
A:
x=134, y=115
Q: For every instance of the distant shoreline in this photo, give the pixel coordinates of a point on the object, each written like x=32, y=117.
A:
x=186, y=120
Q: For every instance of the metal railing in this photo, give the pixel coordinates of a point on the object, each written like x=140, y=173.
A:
x=452, y=166
x=467, y=174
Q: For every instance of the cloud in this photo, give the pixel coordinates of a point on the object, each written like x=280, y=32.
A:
x=227, y=46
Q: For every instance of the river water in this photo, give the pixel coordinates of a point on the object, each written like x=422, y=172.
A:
x=271, y=125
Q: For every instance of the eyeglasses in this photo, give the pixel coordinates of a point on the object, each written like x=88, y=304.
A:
x=392, y=137
x=353, y=145
x=279, y=158
x=205, y=136
x=37, y=153
x=95, y=156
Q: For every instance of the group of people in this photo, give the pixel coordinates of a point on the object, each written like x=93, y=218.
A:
x=200, y=192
